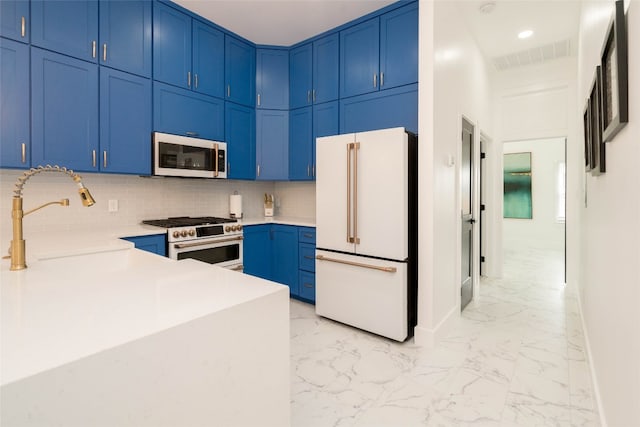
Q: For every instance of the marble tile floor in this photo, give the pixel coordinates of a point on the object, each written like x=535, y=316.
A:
x=515, y=358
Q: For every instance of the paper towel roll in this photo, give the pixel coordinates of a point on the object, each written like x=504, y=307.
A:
x=235, y=205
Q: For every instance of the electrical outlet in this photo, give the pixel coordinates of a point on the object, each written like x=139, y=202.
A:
x=113, y=205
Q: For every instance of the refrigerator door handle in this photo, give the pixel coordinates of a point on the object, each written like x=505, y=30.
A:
x=349, y=238
x=357, y=264
x=356, y=147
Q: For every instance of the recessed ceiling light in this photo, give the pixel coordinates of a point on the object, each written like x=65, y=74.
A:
x=487, y=7
x=525, y=34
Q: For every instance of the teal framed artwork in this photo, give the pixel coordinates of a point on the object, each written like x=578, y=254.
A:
x=518, y=202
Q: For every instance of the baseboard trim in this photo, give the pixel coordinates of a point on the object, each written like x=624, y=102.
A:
x=429, y=337
x=594, y=376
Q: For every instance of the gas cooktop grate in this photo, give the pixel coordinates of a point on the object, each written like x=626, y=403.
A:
x=186, y=221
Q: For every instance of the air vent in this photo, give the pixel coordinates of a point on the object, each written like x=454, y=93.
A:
x=535, y=55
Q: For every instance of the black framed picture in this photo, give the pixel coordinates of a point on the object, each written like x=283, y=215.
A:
x=598, y=147
x=587, y=136
x=615, y=78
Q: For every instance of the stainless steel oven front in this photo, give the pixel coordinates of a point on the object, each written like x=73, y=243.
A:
x=223, y=251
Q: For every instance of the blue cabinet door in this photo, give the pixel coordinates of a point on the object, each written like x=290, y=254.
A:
x=240, y=71
x=301, y=81
x=240, y=135
x=285, y=256
x=397, y=107
x=69, y=27
x=325, y=120
x=14, y=19
x=171, y=46
x=326, y=71
x=399, y=47
x=272, y=144
x=125, y=123
x=184, y=112
x=272, y=78
x=64, y=111
x=307, y=286
x=301, y=144
x=256, y=253
x=15, y=141
x=156, y=244
x=359, y=57
x=125, y=35
x=208, y=60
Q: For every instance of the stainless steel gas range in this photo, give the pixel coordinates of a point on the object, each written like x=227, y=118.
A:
x=208, y=239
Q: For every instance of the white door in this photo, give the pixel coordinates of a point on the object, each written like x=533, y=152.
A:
x=331, y=193
x=370, y=294
x=381, y=181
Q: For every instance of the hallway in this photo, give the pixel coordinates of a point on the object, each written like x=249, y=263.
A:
x=515, y=358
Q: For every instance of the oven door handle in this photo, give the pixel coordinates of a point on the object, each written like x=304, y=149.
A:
x=207, y=243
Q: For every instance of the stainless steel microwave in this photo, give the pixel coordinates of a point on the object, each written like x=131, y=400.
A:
x=184, y=156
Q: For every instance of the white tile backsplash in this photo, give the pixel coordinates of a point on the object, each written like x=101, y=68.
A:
x=142, y=198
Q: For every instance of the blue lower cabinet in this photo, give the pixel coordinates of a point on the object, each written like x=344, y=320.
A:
x=156, y=244
x=184, y=112
x=397, y=107
x=307, y=257
x=307, y=286
x=256, y=253
x=285, y=256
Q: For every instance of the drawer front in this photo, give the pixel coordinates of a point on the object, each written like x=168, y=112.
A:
x=307, y=235
x=306, y=257
x=307, y=286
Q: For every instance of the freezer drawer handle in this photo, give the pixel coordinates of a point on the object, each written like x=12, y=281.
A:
x=357, y=264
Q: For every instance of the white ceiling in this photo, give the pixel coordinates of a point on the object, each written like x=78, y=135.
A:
x=286, y=22
x=281, y=22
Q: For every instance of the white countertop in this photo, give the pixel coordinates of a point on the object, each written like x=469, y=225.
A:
x=285, y=220
x=89, y=292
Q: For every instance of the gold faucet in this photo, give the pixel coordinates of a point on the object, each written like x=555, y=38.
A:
x=17, y=248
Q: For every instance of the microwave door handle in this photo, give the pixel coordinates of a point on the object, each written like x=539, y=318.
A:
x=215, y=147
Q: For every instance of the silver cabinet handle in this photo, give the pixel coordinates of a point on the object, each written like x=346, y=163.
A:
x=23, y=30
x=307, y=235
x=228, y=91
x=357, y=264
x=307, y=285
x=195, y=80
x=313, y=170
x=24, y=152
x=308, y=257
x=104, y=52
x=381, y=79
x=93, y=49
x=189, y=78
x=314, y=95
x=258, y=170
x=375, y=80
x=308, y=96
x=104, y=159
x=308, y=170
x=258, y=100
x=93, y=158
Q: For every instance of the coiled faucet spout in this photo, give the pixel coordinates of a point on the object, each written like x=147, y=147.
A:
x=17, y=249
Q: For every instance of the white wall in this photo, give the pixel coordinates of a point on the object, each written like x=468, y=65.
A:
x=454, y=82
x=142, y=198
x=543, y=230
x=609, y=288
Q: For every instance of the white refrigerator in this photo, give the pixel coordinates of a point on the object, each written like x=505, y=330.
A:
x=366, y=231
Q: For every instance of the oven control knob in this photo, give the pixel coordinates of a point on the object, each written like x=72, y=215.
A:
x=234, y=228
x=227, y=228
x=239, y=227
x=176, y=234
x=183, y=233
x=192, y=233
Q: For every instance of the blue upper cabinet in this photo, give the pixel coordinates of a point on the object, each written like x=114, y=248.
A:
x=359, y=57
x=301, y=143
x=380, y=53
x=171, y=46
x=399, y=47
x=125, y=36
x=300, y=75
x=314, y=72
x=69, y=27
x=64, y=111
x=208, y=60
x=240, y=71
x=183, y=112
x=14, y=19
x=240, y=135
x=326, y=54
x=272, y=79
x=272, y=144
x=125, y=123
x=15, y=146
